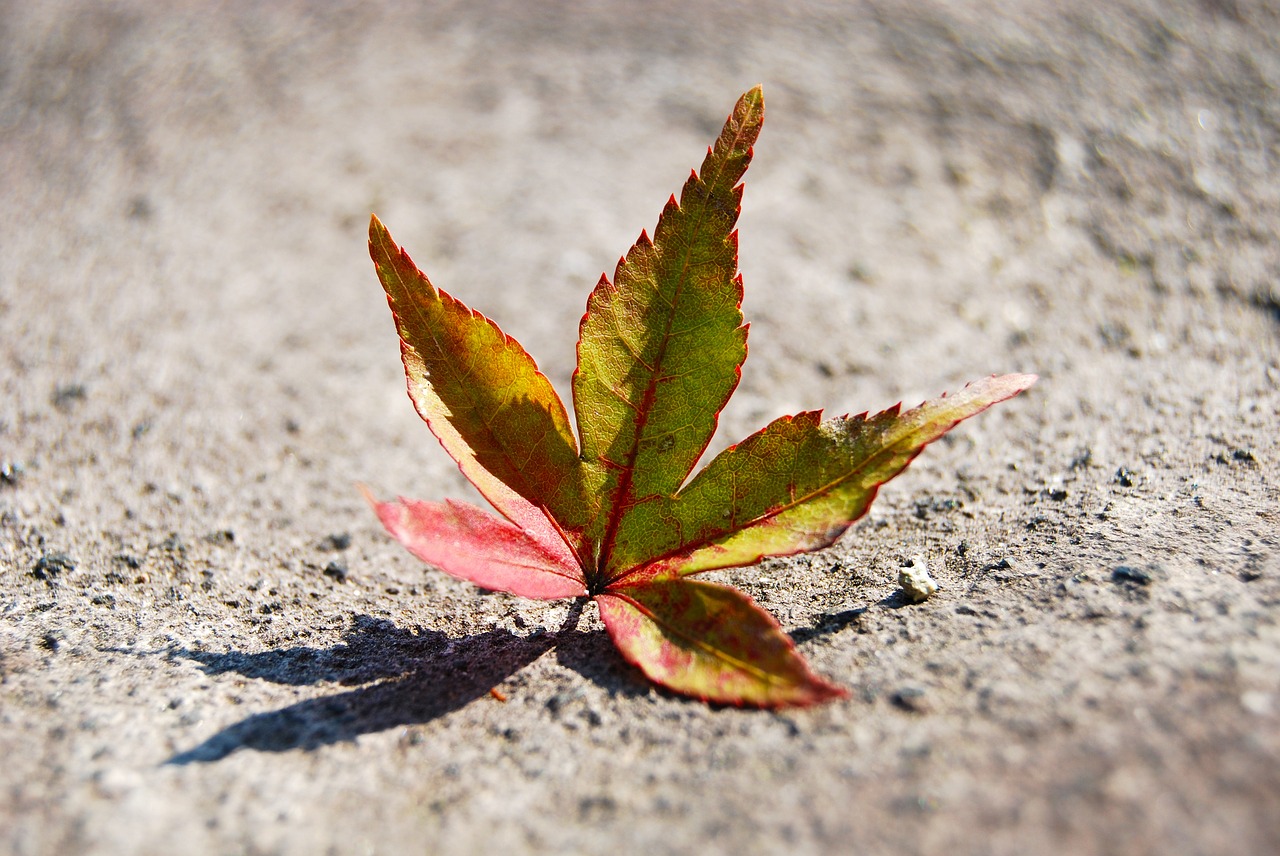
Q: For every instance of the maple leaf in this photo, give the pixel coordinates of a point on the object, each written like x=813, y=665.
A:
x=618, y=519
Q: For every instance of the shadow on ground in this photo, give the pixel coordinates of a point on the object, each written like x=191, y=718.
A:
x=410, y=676
x=402, y=677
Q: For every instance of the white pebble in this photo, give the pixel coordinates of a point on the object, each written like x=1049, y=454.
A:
x=917, y=585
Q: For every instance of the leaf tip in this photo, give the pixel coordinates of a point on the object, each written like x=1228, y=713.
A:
x=367, y=493
x=1004, y=387
x=1023, y=381
x=825, y=691
x=377, y=231
x=752, y=101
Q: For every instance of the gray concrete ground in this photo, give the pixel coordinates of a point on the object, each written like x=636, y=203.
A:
x=208, y=646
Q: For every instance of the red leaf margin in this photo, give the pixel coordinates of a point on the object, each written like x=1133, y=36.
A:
x=711, y=642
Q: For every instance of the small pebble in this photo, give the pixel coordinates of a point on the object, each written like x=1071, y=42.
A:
x=11, y=472
x=336, y=541
x=910, y=699
x=1256, y=702
x=1132, y=575
x=51, y=565
x=917, y=585
x=64, y=395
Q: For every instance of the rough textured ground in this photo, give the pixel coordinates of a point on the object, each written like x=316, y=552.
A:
x=198, y=365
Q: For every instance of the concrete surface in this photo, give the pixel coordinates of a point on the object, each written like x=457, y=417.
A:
x=208, y=646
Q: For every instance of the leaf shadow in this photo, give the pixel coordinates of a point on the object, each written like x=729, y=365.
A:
x=371, y=649
x=404, y=676
x=830, y=623
x=594, y=656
